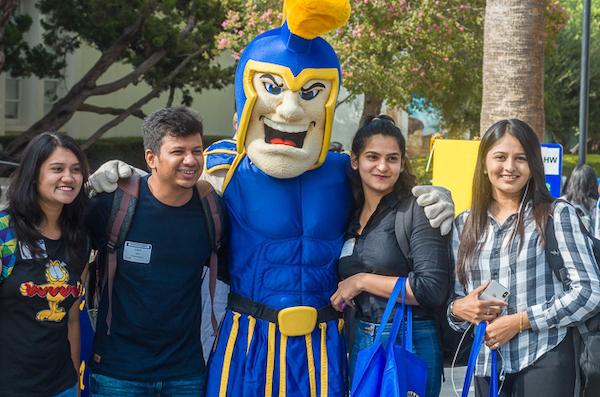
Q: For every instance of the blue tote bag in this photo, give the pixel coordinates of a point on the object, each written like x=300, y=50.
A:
x=389, y=369
x=477, y=344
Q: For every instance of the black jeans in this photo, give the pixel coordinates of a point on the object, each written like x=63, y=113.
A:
x=552, y=375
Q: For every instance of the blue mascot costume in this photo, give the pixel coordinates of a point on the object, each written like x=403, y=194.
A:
x=289, y=203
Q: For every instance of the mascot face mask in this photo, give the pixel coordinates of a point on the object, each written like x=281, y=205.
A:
x=286, y=130
x=286, y=85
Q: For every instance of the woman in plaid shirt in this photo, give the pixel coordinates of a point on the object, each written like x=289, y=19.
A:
x=502, y=238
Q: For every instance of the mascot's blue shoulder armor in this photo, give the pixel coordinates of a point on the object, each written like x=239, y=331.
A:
x=219, y=155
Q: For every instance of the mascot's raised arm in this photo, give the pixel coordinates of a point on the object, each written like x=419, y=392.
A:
x=289, y=202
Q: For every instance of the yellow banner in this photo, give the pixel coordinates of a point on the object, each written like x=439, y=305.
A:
x=453, y=168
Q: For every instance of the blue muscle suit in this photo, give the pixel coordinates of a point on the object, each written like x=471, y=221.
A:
x=286, y=235
x=289, y=203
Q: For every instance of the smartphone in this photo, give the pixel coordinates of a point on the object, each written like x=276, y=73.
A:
x=495, y=290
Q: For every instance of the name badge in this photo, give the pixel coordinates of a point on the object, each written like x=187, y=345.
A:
x=137, y=252
x=348, y=247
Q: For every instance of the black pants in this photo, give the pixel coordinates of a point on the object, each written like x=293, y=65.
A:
x=552, y=375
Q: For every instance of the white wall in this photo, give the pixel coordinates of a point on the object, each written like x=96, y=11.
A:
x=216, y=107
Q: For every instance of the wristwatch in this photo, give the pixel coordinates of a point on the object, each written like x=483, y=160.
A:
x=450, y=307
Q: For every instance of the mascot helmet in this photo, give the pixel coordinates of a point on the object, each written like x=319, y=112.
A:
x=296, y=54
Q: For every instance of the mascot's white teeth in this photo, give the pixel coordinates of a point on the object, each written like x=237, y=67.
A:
x=284, y=134
x=289, y=128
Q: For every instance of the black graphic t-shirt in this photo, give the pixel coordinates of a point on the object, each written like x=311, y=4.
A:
x=35, y=356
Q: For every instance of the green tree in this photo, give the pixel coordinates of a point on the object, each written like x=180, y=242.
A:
x=562, y=77
x=20, y=58
x=394, y=50
x=170, y=45
x=7, y=8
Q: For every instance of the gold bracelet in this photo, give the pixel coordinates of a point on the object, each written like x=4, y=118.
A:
x=521, y=322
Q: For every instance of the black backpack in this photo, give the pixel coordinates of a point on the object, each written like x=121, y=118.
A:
x=589, y=350
x=449, y=338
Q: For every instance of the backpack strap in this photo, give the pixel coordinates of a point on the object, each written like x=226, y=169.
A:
x=8, y=246
x=212, y=213
x=553, y=255
x=121, y=214
x=403, y=225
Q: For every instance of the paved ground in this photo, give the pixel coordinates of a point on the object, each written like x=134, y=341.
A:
x=459, y=377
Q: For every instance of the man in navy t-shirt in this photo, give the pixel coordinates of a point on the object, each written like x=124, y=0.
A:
x=154, y=344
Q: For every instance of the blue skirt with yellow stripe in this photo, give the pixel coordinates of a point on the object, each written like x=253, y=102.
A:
x=252, y=358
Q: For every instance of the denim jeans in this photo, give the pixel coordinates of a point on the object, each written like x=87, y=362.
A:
x=105, y=386
x=70, y=392
x=426, y=345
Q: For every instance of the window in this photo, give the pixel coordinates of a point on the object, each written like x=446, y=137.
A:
x=12, y=98
x=51, y=92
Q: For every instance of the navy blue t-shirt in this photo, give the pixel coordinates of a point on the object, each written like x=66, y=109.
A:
x=156, y=303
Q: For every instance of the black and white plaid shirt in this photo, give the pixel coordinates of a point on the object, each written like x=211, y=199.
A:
x=532, y=284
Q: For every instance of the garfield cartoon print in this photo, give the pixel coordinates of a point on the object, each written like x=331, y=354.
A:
x=56, y=290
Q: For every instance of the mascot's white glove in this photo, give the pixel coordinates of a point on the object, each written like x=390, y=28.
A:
x=105, y=178
x=438, y=206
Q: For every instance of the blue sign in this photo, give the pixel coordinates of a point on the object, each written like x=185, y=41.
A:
x=552, y=154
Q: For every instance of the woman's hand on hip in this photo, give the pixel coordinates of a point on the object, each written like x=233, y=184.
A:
x=472, y=309
x=347, y=290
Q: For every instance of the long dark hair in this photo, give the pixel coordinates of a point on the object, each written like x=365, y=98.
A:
x=23, y=198
x=582, y=187
x=380, y=125
x=537, y=192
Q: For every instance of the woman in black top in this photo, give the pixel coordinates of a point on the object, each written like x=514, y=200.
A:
x=39, y=295
x=371, y=259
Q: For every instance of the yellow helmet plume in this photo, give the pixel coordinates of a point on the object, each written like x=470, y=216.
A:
x=311, y=18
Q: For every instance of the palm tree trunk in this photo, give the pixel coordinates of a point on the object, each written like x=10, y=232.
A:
x=513, y=63
x=371, y=107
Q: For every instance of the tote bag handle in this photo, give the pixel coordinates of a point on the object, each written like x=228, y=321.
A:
x=477, y=344
x=399, y=325
x=399, y=289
